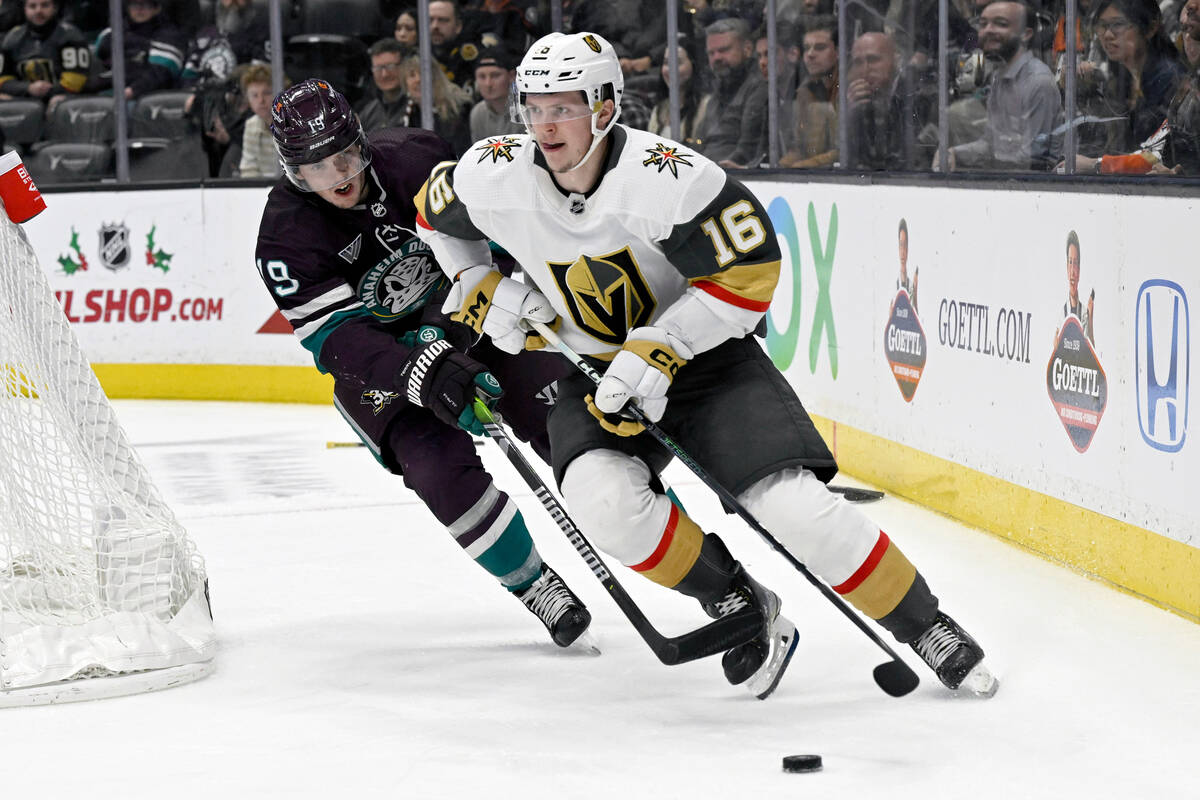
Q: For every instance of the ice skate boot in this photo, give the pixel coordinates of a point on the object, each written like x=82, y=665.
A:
x=761, y=662
x=563, y=614
x=955, y=657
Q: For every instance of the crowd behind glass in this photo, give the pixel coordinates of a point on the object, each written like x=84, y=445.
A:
x=1102, y=87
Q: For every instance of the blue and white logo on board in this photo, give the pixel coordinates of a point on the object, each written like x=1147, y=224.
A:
x=1162, y=363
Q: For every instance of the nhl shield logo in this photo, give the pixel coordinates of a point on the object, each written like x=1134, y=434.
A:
x=114, y=246
x=606, y=295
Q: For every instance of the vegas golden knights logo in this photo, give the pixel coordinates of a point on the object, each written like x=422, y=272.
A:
x=607, y=295
x=591, y=42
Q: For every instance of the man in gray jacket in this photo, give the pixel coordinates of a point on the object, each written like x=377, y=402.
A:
x=733, y=131
x=1024, y=104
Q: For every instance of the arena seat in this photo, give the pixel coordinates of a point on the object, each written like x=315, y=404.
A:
x=162, y=115
x=22, y=121
x=163, y=159
x=70, y=162
x=88, y=118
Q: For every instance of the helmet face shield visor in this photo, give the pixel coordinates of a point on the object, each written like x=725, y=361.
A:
x=331, y=171
x=547, y=109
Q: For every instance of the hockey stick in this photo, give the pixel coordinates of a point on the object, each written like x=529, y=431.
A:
x=895, y=677
x=856, y=495
x=715, y=637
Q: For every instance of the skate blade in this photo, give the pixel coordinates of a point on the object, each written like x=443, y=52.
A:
x=980, y=682
x=585, y=645
x=783, y=645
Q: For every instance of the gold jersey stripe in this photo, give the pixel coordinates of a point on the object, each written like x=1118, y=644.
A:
x=882, y=590
x=751, y=282
x=676, y=553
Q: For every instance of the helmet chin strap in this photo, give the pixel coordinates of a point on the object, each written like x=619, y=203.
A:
x=597, y=138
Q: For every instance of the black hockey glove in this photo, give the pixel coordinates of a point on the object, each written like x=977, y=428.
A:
x=440, y=378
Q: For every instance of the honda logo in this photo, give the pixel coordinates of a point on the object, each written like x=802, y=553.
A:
x=1162, y=364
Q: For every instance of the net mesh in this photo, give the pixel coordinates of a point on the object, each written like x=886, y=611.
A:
x=96, y=574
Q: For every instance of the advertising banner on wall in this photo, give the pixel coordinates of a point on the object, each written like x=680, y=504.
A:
x=1040, y=338
x=1049, y=335
x=163, y=277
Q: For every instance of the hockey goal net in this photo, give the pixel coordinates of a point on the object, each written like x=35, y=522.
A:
x=102, y=593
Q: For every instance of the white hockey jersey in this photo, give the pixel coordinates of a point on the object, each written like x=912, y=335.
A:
x=665, y=238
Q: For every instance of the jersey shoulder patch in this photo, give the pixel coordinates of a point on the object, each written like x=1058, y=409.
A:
x=498, y=149
x=666, y=180
x=491, y=161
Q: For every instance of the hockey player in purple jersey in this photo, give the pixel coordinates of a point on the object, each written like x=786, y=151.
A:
x=339, y=254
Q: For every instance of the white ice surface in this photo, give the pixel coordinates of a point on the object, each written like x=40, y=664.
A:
x=362, y=655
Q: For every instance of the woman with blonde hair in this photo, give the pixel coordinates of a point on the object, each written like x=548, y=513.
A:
x=451, y=104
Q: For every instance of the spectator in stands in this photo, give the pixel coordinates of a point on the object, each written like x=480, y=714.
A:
x=787, y=79
x=406, y=29
x=237, y=32
x=1144, y=67
x=815, y=137
x=153, y=51
x=693, y=99
x=450, y=104
x=1185, y=43
x=635, y=29
x=386, y=105
x=1161, y=132
x=455, y=51
x=733, y=130
x=495, y=72
x=259, y=159
x=45, y=57
x=246, y=26
x=885, y=112
x=1024, y=104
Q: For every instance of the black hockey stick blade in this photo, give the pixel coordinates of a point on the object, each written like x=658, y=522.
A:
x=854, y=494
x=896, y=678
x=715, y=637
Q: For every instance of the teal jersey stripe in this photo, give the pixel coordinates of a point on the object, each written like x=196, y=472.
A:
x=508, y=552
x=315, y=341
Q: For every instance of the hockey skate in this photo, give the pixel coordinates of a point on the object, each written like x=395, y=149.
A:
x=563, y=614
x=955, y=657
x=761, y=662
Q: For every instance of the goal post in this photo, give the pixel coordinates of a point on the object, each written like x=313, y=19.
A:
x=102, y=592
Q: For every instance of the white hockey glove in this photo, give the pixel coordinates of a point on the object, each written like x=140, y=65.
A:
x=495, y=305
x=642, y=373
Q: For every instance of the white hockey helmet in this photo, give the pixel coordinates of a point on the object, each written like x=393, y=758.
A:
x=567, y=62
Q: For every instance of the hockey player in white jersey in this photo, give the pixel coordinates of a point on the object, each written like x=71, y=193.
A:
x=647, y=258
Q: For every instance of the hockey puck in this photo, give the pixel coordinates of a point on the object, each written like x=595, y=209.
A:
x=802, y=763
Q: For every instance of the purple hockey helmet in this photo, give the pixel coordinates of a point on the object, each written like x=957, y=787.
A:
x=313, y=125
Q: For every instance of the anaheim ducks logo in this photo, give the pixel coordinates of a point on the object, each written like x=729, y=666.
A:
x=497, y=148
x=606, y=295
x=666, y=158
x=591, y=42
